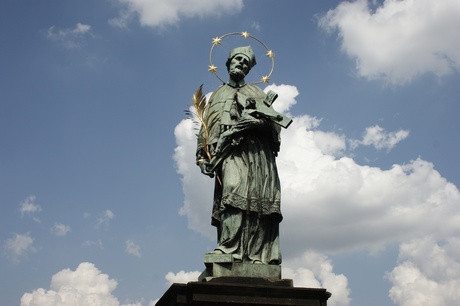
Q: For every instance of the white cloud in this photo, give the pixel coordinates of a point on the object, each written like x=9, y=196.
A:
x=330, y=203
x=105, y=218
x=165, y=12
x=84, y=286
x=195, y=186
x=60, y=229
x=132, y=248
x=399, y=39
x=338, y=198
x=19, y=246
x=313, y=270
x=28, y=207
x=377, y=137
x=182, y=277
x=329, y=143
x=428, y=274
x=70, y=38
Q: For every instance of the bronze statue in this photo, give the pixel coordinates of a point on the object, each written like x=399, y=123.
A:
x=238, y=144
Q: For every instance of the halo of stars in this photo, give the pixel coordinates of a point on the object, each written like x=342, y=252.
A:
x=217, y=41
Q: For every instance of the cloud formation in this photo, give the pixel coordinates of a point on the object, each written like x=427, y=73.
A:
x=18, y=246
x=70, y=38
x=60, y=229
x=330, y=203
x=132, y=248
x=160, y=13
x=377, y=137
x=84, y=286
x=182, y=277
x=313, y=270
x=104, y=219
x=398, y=40
x=428, y=273
x=29, y=208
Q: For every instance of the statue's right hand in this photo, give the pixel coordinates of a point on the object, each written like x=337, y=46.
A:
x=205, y=166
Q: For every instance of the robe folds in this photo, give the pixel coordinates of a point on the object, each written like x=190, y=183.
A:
x=246, y=206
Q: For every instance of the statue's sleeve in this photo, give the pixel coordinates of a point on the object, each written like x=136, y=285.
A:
x=200, y=147
x=276, y=139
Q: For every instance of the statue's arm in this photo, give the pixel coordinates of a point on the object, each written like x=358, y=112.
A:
x=202, y=155
x=233, y=135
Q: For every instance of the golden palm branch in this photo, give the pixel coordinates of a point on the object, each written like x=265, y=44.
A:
x=201, y=119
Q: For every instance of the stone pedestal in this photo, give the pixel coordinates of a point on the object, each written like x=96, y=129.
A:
x=229, y=291
x=229, y=283
x=223, y=265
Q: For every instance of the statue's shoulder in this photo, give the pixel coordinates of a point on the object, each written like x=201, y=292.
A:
x=253, y=91
x=222, y=93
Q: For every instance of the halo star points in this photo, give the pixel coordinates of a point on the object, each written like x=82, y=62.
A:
x=216, y=41
x=265, y=79
x=245, y=34
x=212, y=69
x=270, y=54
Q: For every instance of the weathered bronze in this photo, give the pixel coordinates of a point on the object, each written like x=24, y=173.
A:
x=238, y=143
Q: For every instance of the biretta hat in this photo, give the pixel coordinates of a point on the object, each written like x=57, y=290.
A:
x=247, y=51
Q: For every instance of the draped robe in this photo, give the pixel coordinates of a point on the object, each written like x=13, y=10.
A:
x=246, y=207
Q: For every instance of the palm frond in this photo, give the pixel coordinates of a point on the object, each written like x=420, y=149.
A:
x=199, y=102
x=201, y=119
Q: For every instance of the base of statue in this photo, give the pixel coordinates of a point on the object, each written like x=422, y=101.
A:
x=230, y=291
x=223, y=265
x=226, y=282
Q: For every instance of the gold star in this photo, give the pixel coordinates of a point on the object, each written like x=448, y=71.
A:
x=265, y=79
x=216, y=41
x=212, y=68
x=270, y=54
x=245, y=34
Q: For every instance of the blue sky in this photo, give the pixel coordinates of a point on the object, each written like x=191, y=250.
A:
x=100, y=198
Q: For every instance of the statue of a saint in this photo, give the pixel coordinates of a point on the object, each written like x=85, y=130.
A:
x=240, y=149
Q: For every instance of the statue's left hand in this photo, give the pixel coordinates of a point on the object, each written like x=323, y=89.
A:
x=205, y=166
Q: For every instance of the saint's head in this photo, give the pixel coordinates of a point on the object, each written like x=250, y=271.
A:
x=239, y=62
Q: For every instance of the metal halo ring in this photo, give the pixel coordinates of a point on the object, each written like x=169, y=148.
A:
x=216, y=41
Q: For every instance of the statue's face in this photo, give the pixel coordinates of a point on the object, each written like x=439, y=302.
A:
x=239, y=67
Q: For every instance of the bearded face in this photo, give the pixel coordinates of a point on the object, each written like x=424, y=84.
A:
x=239, y=67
